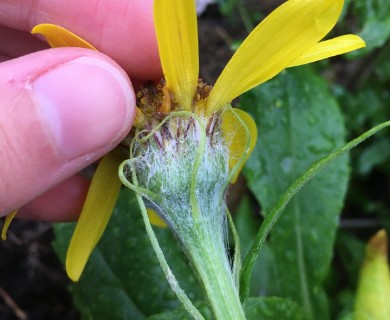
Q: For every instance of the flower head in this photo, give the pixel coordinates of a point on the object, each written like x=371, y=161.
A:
x=290, y=36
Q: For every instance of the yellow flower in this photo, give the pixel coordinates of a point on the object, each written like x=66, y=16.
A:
x=290, y=36
x=373, y=292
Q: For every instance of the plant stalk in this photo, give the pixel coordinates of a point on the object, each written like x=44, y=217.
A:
x=207, y=253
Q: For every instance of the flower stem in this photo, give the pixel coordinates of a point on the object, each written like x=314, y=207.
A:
x=277, y=210
x=207, y=253
x=164, y=265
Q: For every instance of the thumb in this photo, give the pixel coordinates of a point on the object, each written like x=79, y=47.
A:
x=60, y=110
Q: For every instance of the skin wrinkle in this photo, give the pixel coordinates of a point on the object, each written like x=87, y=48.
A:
x=8, y=19
x=138, y=21
x=30, y=11
x=16, y=14
x=101, y=22
x=63, y=56
x=131, y=43
x=25, y=79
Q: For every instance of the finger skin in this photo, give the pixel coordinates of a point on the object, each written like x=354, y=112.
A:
x=62, y=203
x=20, y=43
x=122, y=29
x=30, y=161
x=17, y=43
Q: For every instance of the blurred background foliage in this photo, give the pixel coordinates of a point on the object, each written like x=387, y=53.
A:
x=313, y=256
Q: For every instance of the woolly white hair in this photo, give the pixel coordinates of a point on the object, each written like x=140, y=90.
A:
x=187, y=169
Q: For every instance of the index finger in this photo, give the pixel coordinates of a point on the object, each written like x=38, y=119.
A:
x=122, y=29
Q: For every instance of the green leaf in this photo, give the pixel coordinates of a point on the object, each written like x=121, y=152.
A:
x=365, y=108
x=351, y=253
x=123, y=279
x=255, y=309
x=247, y=224
x=275, y=213
x=299, y=122
x=99, y=294
x=273, y=309
x=375, y=23
x=341, y=282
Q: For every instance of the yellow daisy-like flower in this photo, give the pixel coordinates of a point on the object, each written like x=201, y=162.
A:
x=290, y=36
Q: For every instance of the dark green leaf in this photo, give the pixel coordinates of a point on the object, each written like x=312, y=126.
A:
x=99, y=295
x=123, y=279
x=273, y=309
x=247, y=225
x=299, y=122
x=351, y=253
x=374, y=21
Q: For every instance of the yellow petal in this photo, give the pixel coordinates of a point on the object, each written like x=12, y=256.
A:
x=373, y=294
x=57, y=36
x=139, y=117
x=97, y=210
x=330, y=48
x=237, y=138
x=283, y=36
x=155, y=219
x=177, y=38
x=7, y=222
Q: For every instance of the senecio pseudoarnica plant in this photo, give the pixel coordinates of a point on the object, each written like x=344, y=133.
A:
x=188, y=143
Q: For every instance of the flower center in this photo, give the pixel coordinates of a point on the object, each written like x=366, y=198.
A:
x=155, y=103
x=155, y=100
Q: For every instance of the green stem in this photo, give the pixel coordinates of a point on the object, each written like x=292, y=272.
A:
x=209, y=259
x=192, y=310
x=271, y=218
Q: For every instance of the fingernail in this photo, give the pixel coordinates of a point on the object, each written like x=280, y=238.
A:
x=88, y=104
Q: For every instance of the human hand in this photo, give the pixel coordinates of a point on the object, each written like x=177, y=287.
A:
x=62, y=109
